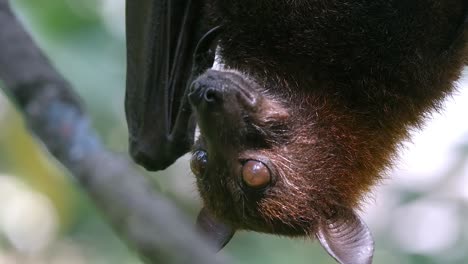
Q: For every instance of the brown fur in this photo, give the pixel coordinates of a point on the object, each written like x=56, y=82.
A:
x=342, y=82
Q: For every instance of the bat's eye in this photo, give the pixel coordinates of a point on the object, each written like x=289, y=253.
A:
x=256, y=174
x=198, y=162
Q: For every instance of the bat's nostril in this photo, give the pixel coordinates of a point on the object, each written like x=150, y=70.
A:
x=196, y=93
x=195, y=86
x=202, y=91
x=210, y=95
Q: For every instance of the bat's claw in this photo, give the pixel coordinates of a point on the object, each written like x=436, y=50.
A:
x=347, y=239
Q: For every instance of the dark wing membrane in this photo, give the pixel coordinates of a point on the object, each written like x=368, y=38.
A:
x=161, y=39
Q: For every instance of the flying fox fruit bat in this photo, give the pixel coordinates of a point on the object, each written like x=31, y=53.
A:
x=301, y=104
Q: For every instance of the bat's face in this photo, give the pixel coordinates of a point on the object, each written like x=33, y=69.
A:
x=266, y=166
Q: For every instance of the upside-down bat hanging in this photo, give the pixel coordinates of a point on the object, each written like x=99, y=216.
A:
x=301, y=104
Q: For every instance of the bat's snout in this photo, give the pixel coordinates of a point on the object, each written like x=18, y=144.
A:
x=217, y=88
x=204, y=93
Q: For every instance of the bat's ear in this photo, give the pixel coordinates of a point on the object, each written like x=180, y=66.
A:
x=216, y=231
x=347, y=239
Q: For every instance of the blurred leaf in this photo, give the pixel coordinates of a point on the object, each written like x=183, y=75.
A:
x=61, y=17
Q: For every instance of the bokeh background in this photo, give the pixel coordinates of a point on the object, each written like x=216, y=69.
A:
x=418, y=214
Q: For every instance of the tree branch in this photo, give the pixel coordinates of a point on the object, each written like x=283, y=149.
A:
x=148, y=222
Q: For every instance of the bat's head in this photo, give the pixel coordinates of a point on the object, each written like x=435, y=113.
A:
x=273, y=161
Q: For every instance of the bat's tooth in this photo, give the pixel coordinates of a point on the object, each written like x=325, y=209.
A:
x=197, y=132
x=218, y=64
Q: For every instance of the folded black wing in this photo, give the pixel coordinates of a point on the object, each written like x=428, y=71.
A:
x=162, y=36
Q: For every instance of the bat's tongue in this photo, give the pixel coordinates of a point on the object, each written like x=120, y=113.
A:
x=347, y=239
x=217, y=232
